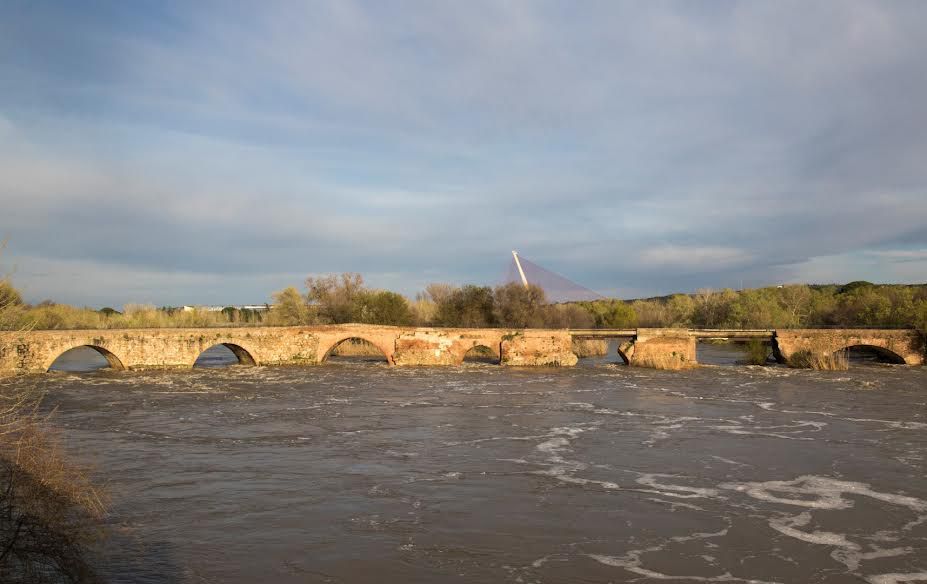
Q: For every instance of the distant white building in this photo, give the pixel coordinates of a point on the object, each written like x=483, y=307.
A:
x=254, y=307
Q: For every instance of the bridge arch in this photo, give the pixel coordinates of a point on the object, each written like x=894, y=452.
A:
x=882, y=354
x=115, y=363
x=482, y=353
x=387, y=352
x=244, y=356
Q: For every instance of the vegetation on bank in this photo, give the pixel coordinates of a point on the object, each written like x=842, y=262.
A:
x=345, y=298
x=50, y=511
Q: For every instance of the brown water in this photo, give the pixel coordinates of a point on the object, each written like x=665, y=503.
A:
x=356, y=472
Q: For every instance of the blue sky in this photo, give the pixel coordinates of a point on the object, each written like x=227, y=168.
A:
x=215, y=152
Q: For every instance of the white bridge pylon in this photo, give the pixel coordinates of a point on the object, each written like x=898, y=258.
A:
x=556, y=287
x=521, y=272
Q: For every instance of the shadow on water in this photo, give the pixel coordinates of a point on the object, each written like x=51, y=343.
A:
x=610, y=356
x=124, y=557
x=482, y=354
x=80, y=360
x=353, y=351
x=725, y=353
x=867, y=356
x=216, y=356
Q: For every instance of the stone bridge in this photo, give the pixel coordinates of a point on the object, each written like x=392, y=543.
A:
x=900, y=346
x=35, y=351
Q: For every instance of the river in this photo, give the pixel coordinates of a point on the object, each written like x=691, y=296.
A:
x=358, y=472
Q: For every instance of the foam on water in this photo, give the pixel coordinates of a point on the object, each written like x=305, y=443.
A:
x=488, y=474
x=633, y=562
x=828, y=494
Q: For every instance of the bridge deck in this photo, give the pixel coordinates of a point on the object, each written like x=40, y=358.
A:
x=697, y=333
x=603, y=333
x=732, y=333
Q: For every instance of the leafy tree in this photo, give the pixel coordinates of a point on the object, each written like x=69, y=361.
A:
x=383, y=307
x=680, y=310
x=571, y=315
x=336, y=296
x=856, y=285
x=518, y=306
x=796, y=301
x=920, y=316
x=290, y=308
x=712, y=309
x=469, y=306
x=611, y=314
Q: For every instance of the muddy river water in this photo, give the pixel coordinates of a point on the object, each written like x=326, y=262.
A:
x=357, y=472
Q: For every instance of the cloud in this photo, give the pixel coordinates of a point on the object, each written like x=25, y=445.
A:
x=880, y=266
x=638, y=148
x=693, y=258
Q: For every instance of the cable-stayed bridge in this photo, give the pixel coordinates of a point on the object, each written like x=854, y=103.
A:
x=556, y=287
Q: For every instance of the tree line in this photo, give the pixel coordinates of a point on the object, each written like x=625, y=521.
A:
x=344, y=298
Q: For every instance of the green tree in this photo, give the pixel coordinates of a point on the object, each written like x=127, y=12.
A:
x=383, y=307
x=612, y=313
x=518, y=306
x=680, y=310
x=290, y=308
x=796, y=302
x=570, y=315
x=920, y=316
x=469, y=306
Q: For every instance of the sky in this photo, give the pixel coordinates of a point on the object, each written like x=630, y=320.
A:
x=213, y=152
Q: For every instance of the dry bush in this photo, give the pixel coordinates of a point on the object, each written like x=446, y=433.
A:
x=49, y=509
x=423, y=310
x=589, y=348
x=757, y=352
x=805, y=359
x=60, y=317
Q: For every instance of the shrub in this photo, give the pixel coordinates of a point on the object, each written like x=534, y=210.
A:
x=805, y=359
x=757, y=352
x=382, y=307
x=49, y=510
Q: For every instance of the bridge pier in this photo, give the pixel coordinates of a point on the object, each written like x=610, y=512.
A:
x=660, y=348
